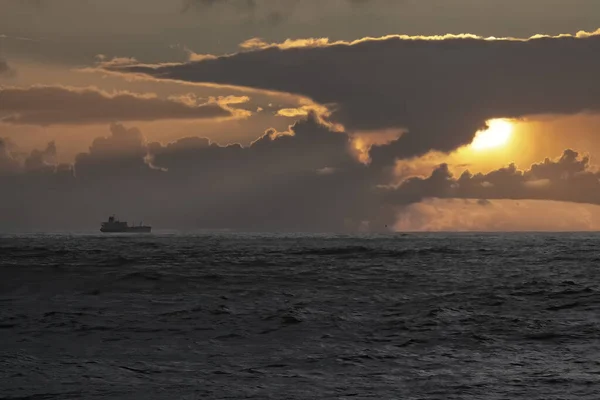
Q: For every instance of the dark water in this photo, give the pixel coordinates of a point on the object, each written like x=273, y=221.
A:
x=513, y=316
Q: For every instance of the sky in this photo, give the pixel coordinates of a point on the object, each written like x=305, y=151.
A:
x=287, y=115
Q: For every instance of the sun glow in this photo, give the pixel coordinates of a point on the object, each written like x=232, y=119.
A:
x=495, y=136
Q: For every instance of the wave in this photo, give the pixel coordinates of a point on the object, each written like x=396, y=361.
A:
x=376, y=252
x=33, y=251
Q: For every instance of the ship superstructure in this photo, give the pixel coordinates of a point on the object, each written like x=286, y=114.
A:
x=113, y=225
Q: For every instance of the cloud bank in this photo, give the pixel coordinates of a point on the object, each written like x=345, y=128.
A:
x=305, y=179
x=441, y=89
x=569, y=178
x=47, y=105
x=296, y=180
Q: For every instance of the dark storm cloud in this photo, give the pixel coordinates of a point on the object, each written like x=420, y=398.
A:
x=569, y=178
x=276, y=183
x=46, y=105
x=442, y=91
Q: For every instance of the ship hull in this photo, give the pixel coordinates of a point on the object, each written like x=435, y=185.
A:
x=131, y=229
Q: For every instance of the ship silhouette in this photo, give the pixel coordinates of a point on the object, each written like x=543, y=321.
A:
x=113, y=225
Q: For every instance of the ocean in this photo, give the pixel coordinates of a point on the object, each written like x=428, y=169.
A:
x=267, y=316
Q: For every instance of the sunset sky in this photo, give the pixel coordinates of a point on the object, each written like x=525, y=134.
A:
x=301, y=115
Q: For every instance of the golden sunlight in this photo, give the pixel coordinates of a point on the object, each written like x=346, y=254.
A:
x=496, y=135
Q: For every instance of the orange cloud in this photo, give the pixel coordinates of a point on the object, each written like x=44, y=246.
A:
x=257, y=43
x=200, y=57
x=260, y=44
x=320, y=112
x=293, y=112
x=363, y=141
x=37, y=105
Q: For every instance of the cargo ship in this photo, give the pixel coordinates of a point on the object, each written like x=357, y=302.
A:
x=113, y=225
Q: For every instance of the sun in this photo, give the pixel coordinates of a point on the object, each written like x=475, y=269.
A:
x=495, y=136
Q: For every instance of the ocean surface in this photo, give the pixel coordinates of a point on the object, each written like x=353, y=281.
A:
x=254, y=316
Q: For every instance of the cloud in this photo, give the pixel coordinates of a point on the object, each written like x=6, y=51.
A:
x=48, y=105
x=305, y=179
x=123, y=152
x=363, y=141
x=9, y=163
x=5, y=70
x=440, y=89
x=41, y=160
x=260, y=44
x=569, y=178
